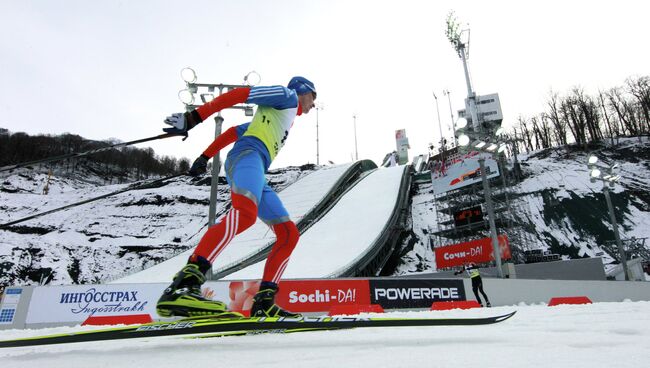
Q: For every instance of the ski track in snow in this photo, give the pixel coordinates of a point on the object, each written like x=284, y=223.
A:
x=595, y=335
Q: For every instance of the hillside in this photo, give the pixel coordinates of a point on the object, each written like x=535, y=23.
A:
x=567, y=212
x=103, y=240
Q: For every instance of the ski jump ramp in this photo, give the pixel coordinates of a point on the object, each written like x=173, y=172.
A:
x=301, y=199
x=332, y=243
x=347, y=233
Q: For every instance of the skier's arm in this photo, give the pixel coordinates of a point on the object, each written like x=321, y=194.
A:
x=228, y=99
x=231, y=135
x=224, y=139
x=182, y=122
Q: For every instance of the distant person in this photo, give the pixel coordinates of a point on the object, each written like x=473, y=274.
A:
x=477, y=282
x=256, y=145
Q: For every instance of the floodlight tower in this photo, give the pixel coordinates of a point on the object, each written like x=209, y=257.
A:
x=456, y=36
x=607, y=175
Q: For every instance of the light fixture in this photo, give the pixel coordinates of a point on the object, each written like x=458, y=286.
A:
x=607, y=177
x=252, y=78
x=595, y=173
x=492, y=147
x=593, y=159
x=500, y=131
x=502, y=148
x=186, y=96
x=461, y=123
x=188, y=75
x=479, y=144
x=463, y=140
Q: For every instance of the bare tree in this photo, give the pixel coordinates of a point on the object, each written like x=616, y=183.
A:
x=559, y=125
x=640, y=89
x=589, y=112
x=624, y=110
x=570, y=111
x=525, y=133
x=608, y=121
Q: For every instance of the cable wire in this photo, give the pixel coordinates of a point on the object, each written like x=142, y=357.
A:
x=80, y=154
x=129, y=188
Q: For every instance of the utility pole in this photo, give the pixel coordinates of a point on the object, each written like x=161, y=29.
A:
x=453, y=34
x=216, y=167
x=617, y=236
x=490, y=210
x=609, y=178
x=442, y=144
x=356, y=152
x=318, y=108
x=462, y=48
x=451, y=112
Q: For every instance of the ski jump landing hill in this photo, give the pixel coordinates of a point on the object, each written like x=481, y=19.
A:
x=347, y=216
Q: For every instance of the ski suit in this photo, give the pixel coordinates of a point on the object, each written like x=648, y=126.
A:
x=256, y=145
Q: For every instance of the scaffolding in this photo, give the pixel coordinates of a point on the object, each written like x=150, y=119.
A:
x=462, y=216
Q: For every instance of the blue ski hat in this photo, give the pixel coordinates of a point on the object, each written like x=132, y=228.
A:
x=302, y=85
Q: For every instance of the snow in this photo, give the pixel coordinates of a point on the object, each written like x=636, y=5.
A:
x=110, y=238
x=593, y=335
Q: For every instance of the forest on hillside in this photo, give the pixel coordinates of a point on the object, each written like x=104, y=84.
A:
x=579, y=117
x=135, y=162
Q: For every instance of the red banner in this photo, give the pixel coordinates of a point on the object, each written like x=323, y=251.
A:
x=476, y=251
x=304, y=295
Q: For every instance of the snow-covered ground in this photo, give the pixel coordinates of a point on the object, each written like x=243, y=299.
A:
x=106, y=239
x=595, y=335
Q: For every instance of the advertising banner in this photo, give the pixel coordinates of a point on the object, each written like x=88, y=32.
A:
x=415, y=293
x=303, y=295
x=475, y=251
x=321, y=295
x=462, y=172
x=75, y=303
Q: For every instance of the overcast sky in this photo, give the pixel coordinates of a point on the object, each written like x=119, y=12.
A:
x=111, y=69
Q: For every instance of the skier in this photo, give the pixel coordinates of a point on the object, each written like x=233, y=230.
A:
x=256, y=145
x=477, y=282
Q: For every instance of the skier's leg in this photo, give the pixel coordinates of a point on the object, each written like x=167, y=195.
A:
x=245, y=174
x=240, y=217
x=183, y=296
x=275, y=215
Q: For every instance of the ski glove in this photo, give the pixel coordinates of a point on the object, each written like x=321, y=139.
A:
x=200, y=166
x=181, y=122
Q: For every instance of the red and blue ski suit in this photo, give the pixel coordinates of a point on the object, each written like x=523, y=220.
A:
x=256, y=145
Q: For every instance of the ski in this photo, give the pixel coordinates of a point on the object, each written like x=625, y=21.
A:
x=200, y=327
